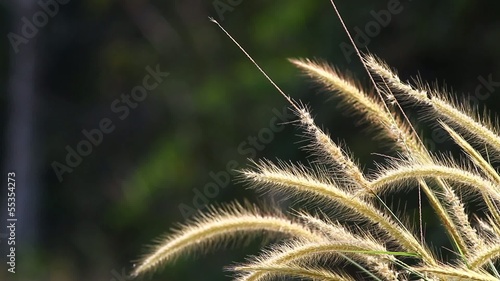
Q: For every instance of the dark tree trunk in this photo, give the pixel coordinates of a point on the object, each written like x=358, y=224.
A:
x=21, y=144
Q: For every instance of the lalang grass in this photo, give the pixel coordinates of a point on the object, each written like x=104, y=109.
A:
x=378, y=243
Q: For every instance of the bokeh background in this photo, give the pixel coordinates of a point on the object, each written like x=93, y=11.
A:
x=93, y=222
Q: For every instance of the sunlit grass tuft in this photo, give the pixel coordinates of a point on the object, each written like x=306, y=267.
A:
x=375, y=242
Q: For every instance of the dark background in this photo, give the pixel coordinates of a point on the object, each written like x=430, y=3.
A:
x=127, y=191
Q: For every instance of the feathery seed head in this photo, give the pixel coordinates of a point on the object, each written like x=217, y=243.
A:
x=377, y=242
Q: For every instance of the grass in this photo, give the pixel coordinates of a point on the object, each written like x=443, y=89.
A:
x=378, y=243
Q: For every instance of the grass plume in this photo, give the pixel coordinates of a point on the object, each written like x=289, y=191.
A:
x=366, y=234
